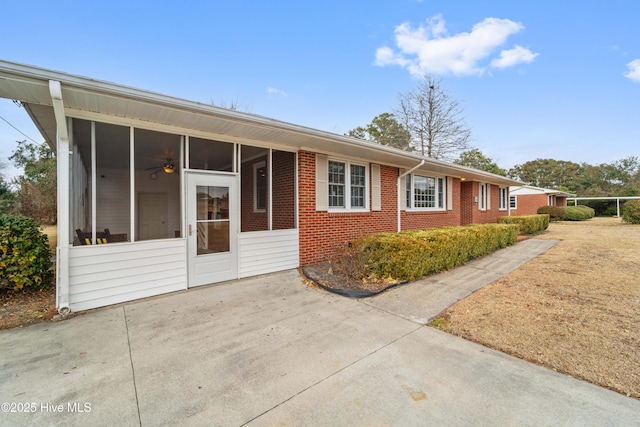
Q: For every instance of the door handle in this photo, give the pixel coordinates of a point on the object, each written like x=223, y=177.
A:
x=189, y=229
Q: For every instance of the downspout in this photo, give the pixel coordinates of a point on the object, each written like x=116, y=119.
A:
x=400, y=192
x=62, y=155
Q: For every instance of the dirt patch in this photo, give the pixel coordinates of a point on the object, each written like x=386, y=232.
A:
x=574, y=309
x=325, y=275
x=24, y=307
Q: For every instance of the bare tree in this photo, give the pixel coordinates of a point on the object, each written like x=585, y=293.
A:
x=434, y=120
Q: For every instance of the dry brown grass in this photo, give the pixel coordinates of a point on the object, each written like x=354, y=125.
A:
x=574, y=309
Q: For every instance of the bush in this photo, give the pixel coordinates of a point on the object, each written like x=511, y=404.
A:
x=556, y=213
x=25, y=260
x=631, y=212
x=528, y=224
x=410, y=255
x=578, y=213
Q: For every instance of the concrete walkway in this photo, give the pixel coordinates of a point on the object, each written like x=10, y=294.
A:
x=269, y=351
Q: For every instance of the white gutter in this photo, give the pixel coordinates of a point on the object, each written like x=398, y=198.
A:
x=62, y=249
x=400, y=192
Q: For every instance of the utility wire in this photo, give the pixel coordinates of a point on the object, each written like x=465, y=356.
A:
x=7, y=122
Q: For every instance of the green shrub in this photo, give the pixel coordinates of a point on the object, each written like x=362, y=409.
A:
x=529, y=224
x=410, y=255
x=556, y=213
x=578, y=213
x=631, y=212
x=25, y=260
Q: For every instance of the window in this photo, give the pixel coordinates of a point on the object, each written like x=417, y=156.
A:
x=425, y=192
x=513, y=202
x=503, y=198
x=551, y=201
x=336, y=184
x=259, y=187
x=348, y=185
x=358, y=186
x=482, y=189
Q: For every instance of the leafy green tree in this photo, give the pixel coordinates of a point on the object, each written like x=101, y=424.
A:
x=548, y=173
x=37, y=194
x=384, y=129
x=7, y=195
x=434, y=119
x=476, y=159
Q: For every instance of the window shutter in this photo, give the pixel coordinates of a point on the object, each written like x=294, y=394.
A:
x=488, y=197
x=449, y=193
x=322, y=182
x=376, y=192
x=402, y=191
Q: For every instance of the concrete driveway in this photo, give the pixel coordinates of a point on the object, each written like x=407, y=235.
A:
x=271, y=351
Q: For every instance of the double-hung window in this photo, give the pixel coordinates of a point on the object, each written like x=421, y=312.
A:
x=503, y=198
x=482, y=189
x=348, y=185
x=425, y=192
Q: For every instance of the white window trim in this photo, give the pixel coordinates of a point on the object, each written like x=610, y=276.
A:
x=257, y=166
x=347, y=186
x=515, y=201
x=436, y=208
x=502, y=190
x=482, y=196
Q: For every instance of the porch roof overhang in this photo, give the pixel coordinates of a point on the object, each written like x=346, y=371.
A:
x=81, y=95
x=530, y=189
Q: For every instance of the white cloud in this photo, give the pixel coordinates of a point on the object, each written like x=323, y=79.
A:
x=511, y=57
x=634, y=70
x=429, y=48
x=274, y=91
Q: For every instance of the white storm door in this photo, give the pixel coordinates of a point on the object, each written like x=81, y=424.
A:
x=212, y=228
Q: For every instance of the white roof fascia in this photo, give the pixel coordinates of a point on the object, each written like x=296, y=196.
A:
x=306, y=138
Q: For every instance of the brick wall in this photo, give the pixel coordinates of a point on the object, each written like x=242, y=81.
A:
x=528, y=204
x=321, y=232
x=470, y=211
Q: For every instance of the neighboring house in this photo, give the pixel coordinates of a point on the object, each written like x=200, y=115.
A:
x=526, y=199
x=186, y=194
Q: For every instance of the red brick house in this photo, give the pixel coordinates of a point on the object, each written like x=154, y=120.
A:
x=526, y=199
x=158, y=194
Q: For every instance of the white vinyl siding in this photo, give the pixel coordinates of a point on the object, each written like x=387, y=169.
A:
x=264, y=252
x=102, y=275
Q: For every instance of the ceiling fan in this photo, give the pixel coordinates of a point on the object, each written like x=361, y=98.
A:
x=168, y=167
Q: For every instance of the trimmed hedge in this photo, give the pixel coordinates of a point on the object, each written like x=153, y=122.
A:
x=529, y=224
x=568, y=213
x=25, y=259
x=409, y=255
x=556, y=213
x=578, y=213
x=631, y=212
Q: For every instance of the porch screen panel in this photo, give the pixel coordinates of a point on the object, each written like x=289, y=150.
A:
x=254, y=188
x=157, y=189
x=206, y=154
x=80, y=182
x=113, y=181
x=284, y=190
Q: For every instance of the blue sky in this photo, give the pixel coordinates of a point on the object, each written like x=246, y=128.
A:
x=536, y=79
